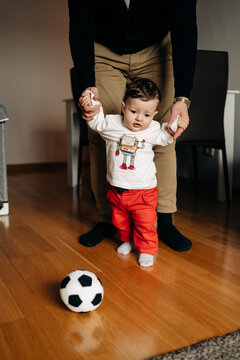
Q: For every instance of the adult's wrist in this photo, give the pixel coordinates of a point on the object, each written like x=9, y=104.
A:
x=182, y=99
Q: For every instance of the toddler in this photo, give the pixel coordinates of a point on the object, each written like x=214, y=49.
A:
x=131, y=172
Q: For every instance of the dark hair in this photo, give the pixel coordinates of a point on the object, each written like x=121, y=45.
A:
x=142, y=88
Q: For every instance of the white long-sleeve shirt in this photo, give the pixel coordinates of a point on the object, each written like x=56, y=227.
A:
x=133, y=148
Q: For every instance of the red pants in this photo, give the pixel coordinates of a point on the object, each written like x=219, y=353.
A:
x=134, y=214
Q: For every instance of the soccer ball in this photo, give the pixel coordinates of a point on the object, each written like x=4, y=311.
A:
x=81, y=291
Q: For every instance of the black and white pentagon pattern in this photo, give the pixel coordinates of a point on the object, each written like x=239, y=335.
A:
x=85, y=280
x=97, y=300
x=65, y=282
x=74, y=300
x=81, y=291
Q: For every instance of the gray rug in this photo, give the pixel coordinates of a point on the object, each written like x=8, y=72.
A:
x=225, y=347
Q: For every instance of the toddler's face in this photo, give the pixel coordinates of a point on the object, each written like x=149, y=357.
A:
x=139, y=113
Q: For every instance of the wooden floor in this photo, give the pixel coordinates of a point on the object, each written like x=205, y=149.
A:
x=184, y=298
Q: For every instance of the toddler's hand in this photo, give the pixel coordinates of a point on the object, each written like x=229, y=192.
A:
x=89, y=111
x=171, y=129
x=86, y=99
x=180, y=109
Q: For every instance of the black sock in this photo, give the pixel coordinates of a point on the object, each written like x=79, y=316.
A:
x=170, y=235
x=100, y=231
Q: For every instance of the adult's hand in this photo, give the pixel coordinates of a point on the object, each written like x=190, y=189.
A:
x=88, y=112
x=179, y=108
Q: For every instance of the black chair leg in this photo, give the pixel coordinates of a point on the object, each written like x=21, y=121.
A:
x=195, y=167
x=226, y=176
x=79, y=169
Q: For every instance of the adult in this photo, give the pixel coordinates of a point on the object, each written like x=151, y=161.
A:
x=113, y=41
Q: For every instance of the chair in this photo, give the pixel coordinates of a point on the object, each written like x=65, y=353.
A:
x=83, y=129
x=207, y=108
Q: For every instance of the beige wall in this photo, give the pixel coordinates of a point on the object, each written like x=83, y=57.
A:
x=34, y=78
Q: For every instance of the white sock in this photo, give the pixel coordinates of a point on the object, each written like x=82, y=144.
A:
x=145, y=260
x=125, y=248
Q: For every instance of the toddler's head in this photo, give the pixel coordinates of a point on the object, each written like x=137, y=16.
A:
x=139, y=104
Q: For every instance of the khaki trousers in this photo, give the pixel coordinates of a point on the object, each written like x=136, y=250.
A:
x=112, y=72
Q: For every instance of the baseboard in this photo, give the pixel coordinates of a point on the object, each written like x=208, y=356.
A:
x=14, y=169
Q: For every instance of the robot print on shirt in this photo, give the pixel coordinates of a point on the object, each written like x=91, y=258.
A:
x=128, y=146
